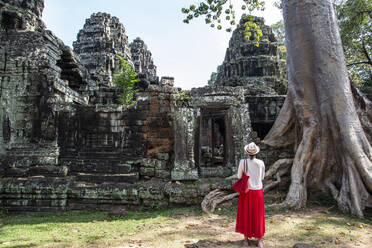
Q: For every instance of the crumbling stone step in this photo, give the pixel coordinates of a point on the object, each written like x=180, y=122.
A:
x=32, y=209
x=100, y=149
x=83, y=195
x=48, y=171
x=98, y=205
x=101, y=178
x=89, y=161
x=100, y=168
x=100, y=154
x=24, y=202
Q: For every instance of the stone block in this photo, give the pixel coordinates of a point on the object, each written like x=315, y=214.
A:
x=167, y=81
x=162, y=156
x=102, y=178
x=204, y=189
x=179, y=175
x=225, y=184
x=146, y=171
x=187, y=200
x=150, y=192
x=162, y=174
x=148, y=162
x=154, y=204
x=160, y=164
x=215, y=172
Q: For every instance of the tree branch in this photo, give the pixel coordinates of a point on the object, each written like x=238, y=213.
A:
x=368, y=11
x=359, y=63
x=366, y=52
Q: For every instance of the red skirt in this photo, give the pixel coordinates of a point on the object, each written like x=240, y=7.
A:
x=250, y=219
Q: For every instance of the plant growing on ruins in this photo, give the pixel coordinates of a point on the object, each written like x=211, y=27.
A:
x=325, y=118
x=181, y=98
x=125, y=79
x=213, y=79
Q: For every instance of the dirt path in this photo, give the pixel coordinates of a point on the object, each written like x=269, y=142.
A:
x=284, y=228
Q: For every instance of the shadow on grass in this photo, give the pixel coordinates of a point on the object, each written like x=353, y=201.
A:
x=213, y=243
x=20, y=246
x=95, y=215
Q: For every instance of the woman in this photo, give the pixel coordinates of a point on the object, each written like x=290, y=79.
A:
x=250, y=218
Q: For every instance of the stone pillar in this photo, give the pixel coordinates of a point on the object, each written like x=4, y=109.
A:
x=185, y=125
x=241, y=129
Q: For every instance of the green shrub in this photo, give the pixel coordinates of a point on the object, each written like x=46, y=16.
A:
x=125, y=79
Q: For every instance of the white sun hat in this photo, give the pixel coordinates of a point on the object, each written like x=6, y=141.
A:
x=251, y=149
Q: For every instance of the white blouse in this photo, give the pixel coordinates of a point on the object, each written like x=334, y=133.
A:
x=255, y=171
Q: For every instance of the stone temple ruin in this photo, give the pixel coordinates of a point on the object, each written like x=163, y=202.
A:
x=66, y=143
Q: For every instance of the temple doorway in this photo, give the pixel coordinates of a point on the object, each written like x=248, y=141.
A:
x=212, y=138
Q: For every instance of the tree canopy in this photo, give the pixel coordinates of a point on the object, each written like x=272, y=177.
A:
x=278, y=30
x=216, y=11
x=355, y=21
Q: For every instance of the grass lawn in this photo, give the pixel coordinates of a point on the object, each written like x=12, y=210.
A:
x=182, y=227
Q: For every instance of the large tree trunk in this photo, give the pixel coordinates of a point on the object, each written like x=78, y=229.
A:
x=319, y=117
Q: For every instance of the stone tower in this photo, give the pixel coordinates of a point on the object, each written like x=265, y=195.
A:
x=39, y=73
x=248, y=65
x=21, y=15
x=142, y=60
x=97, y=44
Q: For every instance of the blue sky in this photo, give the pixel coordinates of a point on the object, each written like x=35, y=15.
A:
x=188, y=52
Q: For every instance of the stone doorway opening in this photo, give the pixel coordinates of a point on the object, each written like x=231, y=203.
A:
x=212, y=138
x=262, y=128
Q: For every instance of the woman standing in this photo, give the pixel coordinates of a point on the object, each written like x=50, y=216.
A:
x=250, y=218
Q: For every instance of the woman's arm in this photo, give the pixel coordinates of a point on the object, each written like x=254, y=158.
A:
x=263, y=171
x=240, y=169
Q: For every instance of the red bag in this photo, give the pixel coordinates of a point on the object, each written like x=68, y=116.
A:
x=241, y=186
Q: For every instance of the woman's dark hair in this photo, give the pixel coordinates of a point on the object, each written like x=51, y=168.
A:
x=251, y=157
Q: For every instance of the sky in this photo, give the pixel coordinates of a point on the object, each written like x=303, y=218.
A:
x=187, y=52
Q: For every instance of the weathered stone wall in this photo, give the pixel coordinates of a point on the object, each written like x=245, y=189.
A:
x=32, y=88
x=114, y=139
x=106, y=156
x=39, y=194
